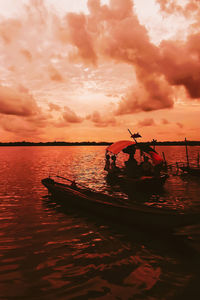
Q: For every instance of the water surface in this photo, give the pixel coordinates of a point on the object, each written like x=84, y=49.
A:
x=48, y=252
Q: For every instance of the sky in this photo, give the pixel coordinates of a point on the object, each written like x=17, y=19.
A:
x=87, y=70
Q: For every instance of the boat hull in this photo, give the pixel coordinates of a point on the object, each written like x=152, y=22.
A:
x=191, y=170
x=141, y=183
x=105, y=206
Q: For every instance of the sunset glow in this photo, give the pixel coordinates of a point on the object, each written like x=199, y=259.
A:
x=88, y=70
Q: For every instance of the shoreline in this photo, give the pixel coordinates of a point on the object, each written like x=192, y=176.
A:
x=32, y=144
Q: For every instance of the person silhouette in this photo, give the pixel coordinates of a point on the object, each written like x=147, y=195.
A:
x=107, y=164
x=146, y=166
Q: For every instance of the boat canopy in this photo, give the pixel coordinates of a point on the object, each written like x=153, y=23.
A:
x=117, y=147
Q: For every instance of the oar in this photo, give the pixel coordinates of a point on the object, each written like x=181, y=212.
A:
x=73, y=181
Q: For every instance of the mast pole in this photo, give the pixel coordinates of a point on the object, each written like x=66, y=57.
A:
x=132, y=136
x=186, y=149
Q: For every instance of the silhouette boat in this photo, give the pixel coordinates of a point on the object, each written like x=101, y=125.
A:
x=188, y=167
x=109, y=207
x=191, y=170
x=116, y=175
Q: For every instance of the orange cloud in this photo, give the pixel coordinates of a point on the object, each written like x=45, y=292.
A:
x=180, y=125
x=53, y=106
x=114, y=32
x=37, y=49
x=146, y=122
x=13, y=102
x=54, y=74
x=80, y=37
x=9, y=29
x=165, y=121
x=173, y=6
x=26, y=54
x=70, y=116
x=102, y=121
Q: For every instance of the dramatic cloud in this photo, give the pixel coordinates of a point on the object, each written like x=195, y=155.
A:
x=102, y=121
x=181, y=62
x=70, y=116
x=80, y=37
x=69, y=58
x=138, y=99
x=22, y=127
x=13, y=102
x=115, y=32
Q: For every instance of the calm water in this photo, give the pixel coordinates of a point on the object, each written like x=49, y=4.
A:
x=47, y=252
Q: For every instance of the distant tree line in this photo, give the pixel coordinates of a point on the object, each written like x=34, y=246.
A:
x=55, y=143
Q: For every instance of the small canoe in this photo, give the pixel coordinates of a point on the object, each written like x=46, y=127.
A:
x=191, y=170
x=107, y=207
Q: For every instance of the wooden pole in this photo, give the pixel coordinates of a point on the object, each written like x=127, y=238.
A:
x=186, y=149
x=154, y=144
x=165, y=162
x=177, y=168
x=132, y=136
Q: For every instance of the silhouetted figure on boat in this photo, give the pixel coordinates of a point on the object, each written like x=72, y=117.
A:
x=113, y=162
x=113, y=168
x=131, y=166
x=157, y=169
x=107, y=164
x=146, y=167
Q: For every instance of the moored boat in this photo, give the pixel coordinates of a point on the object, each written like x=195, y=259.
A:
x=188, y=167
x=191, y=170
x=109, y=208
x=141, y=183
x=134, y=175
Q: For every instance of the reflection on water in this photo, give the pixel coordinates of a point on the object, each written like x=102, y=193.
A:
x=51, y=252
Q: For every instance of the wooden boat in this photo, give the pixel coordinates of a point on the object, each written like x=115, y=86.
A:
x=188, y=167
x=109, y=208
x=117, y=175
x=191, y=170
x=139, y=183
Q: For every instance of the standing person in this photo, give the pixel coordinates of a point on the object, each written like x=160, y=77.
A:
x=113, y=168
x=113, y=163
x=131, y=166
x=146, y=167
x=107, y=164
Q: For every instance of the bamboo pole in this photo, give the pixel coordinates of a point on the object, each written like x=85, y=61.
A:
x=187, y=157
x=164, y=159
